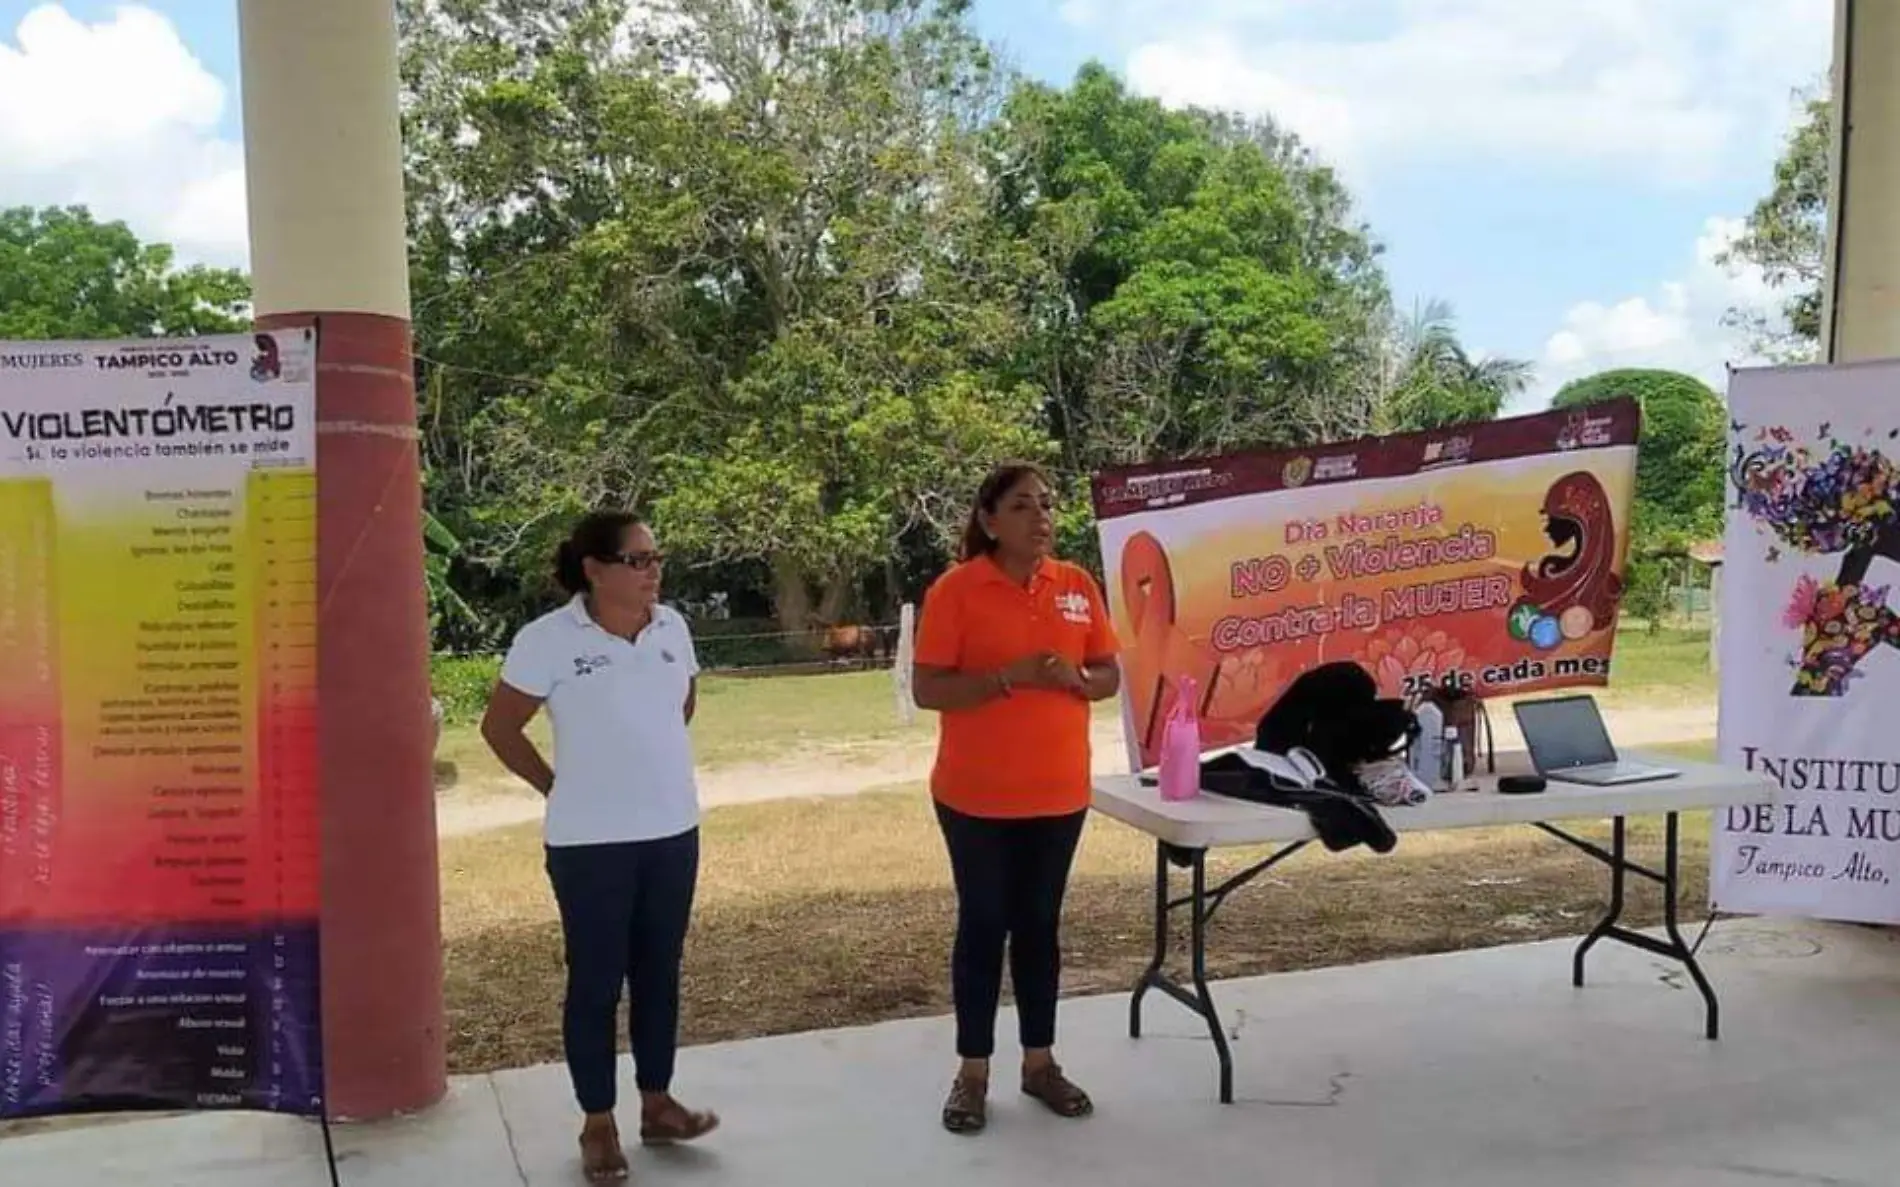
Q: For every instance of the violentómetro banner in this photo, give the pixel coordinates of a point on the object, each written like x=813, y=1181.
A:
x=1810, y=671
x=158, y=794
x=1489, y=556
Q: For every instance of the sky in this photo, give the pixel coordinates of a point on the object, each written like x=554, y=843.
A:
x=1564, y=173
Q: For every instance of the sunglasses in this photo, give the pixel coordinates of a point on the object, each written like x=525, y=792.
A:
x=635, y=560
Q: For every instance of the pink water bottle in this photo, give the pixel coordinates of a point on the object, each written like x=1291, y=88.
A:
x=1181, y=746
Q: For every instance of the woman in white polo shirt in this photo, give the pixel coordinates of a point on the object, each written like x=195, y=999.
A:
x=618, y=675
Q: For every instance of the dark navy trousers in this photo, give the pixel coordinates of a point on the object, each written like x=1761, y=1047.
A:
x=1010, y=878
x=624, y=913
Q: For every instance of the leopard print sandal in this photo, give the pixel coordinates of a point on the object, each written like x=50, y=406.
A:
x=1055, y=1090
x=966, y=1109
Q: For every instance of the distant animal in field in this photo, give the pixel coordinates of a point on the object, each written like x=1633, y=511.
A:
x=857, y=644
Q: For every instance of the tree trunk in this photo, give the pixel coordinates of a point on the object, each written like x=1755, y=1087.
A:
x=835, y=604
x=791, y=603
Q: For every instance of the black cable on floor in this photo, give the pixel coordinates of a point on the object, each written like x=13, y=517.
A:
x=1706, y=925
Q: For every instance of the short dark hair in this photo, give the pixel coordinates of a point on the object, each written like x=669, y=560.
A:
x=1001, y=480
x=597, y=536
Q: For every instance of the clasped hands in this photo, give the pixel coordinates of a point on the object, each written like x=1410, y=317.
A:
x=1046, y=670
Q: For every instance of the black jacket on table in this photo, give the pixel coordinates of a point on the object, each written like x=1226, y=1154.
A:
x=1335, y=712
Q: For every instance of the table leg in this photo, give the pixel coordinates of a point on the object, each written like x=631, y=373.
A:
x=1672, y=883
x=1200, y=999
x=1151, y=975
x=1608, y=925
x=1205, y=1006
x=1611, y=927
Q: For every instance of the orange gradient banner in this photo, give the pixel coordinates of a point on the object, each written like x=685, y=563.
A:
x=1490, y=557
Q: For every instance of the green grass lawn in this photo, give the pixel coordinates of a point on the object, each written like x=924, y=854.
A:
x=745, y=719
x=1669, y=664
x=742, y=719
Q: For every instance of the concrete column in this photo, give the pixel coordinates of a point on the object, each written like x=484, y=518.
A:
x=324, y=168
x=1860, y=316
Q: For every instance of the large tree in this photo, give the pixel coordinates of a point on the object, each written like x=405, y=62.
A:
x=1212, y=289
x=65, y=275
x=537, y=198
x=789, y=274
x=1786, y=237
x=733, y=261
x=1679, y=475
x=861, y=261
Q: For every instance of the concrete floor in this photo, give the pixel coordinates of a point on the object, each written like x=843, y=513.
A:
x=1480, y=1069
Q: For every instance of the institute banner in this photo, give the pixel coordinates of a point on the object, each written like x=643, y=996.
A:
x=1810, y=643
x=158, y=777
x=1485, y=556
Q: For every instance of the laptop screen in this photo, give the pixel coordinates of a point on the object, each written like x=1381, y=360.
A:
x=1564, y=733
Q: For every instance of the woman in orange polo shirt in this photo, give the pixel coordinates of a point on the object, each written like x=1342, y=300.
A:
x=1013, y=646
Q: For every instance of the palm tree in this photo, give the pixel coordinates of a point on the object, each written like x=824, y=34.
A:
x=440, y=547
x=1430, y=380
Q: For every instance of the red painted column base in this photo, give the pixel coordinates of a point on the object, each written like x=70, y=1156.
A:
x=381, y=924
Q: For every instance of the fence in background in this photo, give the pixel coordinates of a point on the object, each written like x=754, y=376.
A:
x=736, y=647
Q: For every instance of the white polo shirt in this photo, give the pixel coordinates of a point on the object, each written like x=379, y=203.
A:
x=623, y=761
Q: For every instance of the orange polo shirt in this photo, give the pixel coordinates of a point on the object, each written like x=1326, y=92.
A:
x=1026, y=754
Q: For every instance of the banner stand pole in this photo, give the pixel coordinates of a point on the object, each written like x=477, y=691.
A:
x=329, y=1148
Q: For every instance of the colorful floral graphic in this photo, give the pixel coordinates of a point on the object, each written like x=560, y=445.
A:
x=1807, y=592
x=1406, y=661
x=1245, y=685
x=1823, y=505
x=1840, y=500
x=1844, y=624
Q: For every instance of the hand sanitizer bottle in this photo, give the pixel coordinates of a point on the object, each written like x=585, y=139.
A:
x=1181, y=747
x=1428, y=755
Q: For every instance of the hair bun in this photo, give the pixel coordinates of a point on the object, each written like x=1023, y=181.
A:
x=597, y=534
x=569, y=571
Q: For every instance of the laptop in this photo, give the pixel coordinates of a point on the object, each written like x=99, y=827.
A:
x=1568, y=742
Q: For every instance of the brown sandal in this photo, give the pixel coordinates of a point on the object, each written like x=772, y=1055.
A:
x=602, y=1159
x=1048, y=1085
x=675, y=1123
x=966, y=1110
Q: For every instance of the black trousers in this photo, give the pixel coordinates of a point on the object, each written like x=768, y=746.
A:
x=624, y=913
x=1010, y=877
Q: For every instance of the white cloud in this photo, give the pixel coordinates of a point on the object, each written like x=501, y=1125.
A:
x=1668, y=91
x=1679, y=327
x=120, y=116
x=1080, y=13
x=1631, y=93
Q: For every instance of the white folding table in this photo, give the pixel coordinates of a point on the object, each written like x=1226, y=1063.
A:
x=1185, y=830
